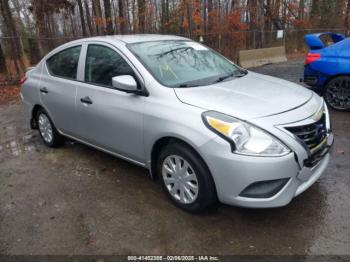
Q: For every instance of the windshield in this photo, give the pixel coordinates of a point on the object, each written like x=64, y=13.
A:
x=181, y=63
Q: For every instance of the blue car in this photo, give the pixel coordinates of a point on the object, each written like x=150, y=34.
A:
x=327, y=68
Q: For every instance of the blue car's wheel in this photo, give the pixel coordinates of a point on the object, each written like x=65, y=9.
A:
x=337, y=93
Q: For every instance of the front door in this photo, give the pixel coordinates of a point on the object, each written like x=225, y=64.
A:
x=109, y=118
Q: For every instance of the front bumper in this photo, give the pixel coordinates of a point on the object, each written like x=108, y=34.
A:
x=233, y=173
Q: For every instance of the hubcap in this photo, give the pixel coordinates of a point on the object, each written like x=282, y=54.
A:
x=180, y=179
x=45, y=128
x=338, y=94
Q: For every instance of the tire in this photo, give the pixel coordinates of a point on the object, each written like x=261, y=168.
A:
x=337, y=93
x=192, y=199
x=56, y=139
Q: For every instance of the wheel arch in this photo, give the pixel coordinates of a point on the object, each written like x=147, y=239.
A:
x=333, y=77
x=160, y=143
x=35, y=110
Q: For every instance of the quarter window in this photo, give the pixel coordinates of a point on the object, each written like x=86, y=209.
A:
x=65, y=63
x=103, y=63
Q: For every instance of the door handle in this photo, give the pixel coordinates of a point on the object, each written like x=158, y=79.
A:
x=86, y=100
x=44, y=90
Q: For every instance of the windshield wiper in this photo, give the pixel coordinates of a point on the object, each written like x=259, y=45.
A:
x=222, y=78
x=186, y=85
x=202, y=82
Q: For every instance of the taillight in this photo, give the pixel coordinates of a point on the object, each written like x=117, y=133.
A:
x=312, y=57
x=22, y=80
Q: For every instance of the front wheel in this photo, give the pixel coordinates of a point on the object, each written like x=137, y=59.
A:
x=47, y=130
x=337, y=93
x=185, y=178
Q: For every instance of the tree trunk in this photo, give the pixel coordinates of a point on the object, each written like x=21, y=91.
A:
x=38, y=11
x=88, y=17
x=261, y=23
x=16, y=46
x=301, y=9
x=196, y=15
x=82, y=19
x=256, y=23
x=164, y=19
x=232, y=8
x=251, y=17
x=133, y=10
x=108, y=17
x=205, y=16
x=72, y=25
x=23, y=12
x=128, y=19
x=347, y=19
x=3, y=68
x=210, y=16
x=141, y=15
x=97, y=14
x=189, y=18
x=284, y=15
x=275, y=15
x=122, y=23
x=300, y=33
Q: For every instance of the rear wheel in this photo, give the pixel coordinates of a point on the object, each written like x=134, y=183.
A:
x=47, y=130
x=185, y=178
x=337, y=93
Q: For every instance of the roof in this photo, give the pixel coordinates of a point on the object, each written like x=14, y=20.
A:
x=137, y=38
x=121, y=38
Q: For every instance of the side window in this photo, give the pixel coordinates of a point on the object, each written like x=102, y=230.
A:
x=65, y=63
x=103, y=63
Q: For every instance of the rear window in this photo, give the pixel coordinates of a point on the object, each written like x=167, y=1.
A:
x=65, y=63
x=327, y=39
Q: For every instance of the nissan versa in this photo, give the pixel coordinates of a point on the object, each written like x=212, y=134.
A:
x=207, y=129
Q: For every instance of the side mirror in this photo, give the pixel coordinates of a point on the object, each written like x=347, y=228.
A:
x=125, y=83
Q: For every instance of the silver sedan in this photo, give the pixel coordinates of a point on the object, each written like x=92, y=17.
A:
x=207, y=129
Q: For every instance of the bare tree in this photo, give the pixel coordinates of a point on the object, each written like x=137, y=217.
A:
x=108, y=17
x=88, y=17
x=97, y=13
x=141, y=15
x=210, y=11
x=82, y=19
x=3, y=68
x=23, y=13
x=16, y=47
x=347, y=18
x=38, y=11
x=121, y=16
x=165, y=15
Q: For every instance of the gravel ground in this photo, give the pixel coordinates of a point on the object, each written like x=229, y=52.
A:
x=76, y=200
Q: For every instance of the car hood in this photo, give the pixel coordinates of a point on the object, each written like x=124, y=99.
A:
x=250, y=96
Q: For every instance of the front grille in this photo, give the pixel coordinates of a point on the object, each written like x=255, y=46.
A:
x=312, y=134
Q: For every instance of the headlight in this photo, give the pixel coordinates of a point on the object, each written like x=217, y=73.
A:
x=328, y=119
x=245, y=138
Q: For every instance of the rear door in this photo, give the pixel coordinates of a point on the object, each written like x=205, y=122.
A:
x=107, y=117
x=58, y=87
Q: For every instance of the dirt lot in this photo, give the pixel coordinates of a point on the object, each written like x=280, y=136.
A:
x=76, y=200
